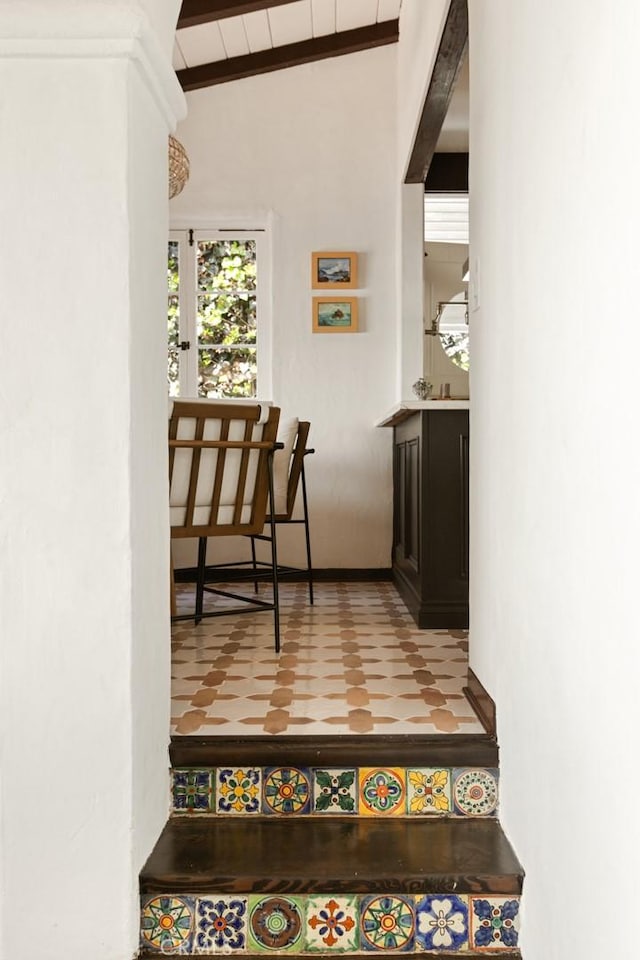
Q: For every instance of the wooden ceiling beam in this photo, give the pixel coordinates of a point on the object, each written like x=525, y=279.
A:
x=449, y=59
x=194, y=12
x=290, y=55
x=448, y=173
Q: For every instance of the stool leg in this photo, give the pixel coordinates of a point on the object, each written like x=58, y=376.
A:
x=255, y=566
x=274, y=563
x=306, y=534
x=202, y=556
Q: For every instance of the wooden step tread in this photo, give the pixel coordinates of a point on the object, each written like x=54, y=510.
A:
x=332, y=855
x=449, y=750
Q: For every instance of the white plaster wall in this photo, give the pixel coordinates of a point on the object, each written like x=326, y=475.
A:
x=410, y=311
x=555, y=468
x=315, y=147
x=84, y=642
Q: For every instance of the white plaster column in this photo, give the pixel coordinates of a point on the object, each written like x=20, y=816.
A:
x=88, y=97
x=421, y=26
x=411, y=288
x=555, y=462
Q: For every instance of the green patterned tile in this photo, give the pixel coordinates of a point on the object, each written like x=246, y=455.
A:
x=334, y=790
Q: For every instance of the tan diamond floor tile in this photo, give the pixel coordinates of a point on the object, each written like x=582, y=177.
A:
x=353, y=663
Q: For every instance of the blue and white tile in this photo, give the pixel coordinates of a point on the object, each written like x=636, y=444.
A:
x=220, y=924
x=494, y=923
x=442, y=922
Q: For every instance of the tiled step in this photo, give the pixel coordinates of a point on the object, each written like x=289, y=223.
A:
x=254, y=927
x=366, y=776
x=356, y=885
x=366, y=791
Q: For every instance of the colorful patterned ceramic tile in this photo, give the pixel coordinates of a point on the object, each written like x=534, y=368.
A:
x=494, y=923
x=442, y=922
x=475, y=792
x=386, y=923
x=429, y=791
x=166, y=924
x=334, y=791
x=286, y=790
x=220, y=924
x=383, y=791
x=192, y=791
x=331, y=924
x=238, y=791
x=275, y=924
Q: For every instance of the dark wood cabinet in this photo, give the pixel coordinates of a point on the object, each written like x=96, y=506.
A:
x=431, y=516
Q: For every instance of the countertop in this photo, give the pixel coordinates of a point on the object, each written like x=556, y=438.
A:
x=405, y=408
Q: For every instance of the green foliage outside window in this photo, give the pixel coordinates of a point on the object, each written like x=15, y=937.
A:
x=226, y=317
x=456, y=347
x=173, y=325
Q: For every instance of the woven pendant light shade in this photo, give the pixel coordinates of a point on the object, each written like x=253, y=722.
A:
x=178, y=167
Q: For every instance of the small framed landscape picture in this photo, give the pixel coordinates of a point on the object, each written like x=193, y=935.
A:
x=335, y=314
x=334, y=271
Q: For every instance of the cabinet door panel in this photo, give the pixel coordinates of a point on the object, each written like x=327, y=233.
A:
x=412, y=503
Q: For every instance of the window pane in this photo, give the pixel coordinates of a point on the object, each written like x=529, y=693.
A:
x=226, y=265
x=227, y=318
x=174, y=373
x=446, y=217
x=173, y=320
x=173, y=317
x=227, y=373
x=456, y=347
x=173, y=277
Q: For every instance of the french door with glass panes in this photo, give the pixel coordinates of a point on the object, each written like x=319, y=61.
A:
x=217, y=317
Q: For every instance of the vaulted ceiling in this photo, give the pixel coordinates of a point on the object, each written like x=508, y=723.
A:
x=222, y=40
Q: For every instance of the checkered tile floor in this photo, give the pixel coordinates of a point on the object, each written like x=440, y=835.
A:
x=355, y=662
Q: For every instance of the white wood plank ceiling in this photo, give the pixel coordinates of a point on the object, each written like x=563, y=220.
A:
x=276, y=27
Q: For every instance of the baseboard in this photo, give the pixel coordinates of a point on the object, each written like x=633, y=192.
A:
x=482, y=703
x=323, y=575
x=430, y=614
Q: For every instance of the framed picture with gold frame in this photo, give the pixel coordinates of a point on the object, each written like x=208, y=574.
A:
x=334, y=271
x=335, y=314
